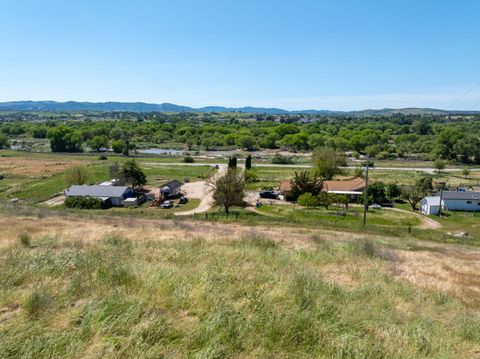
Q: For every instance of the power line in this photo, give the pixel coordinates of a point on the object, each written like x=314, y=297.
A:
x=463, y=95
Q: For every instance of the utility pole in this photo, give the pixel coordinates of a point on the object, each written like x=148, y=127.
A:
x=440, y=207
x=365, y=196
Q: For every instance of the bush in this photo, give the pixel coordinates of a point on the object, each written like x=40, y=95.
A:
x=278, y=159
x=251, y=176
x=25, y=239
x=85, y=203
x=188, y=159
x=308, y=200
x=102, y=158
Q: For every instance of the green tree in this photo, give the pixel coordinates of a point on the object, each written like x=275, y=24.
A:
x=65, y=139
x=304, y=182
x=3, y=142
x=246, y=141
x=327, y=162
x=133, y=174
x=248, y=162
x=392, y=190
x=118, y=146
x=228, y=190
x=466, y=172
x=98, y=142
x=439, y=165
x=76, y=175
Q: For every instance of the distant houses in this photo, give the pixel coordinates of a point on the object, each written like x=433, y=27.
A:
x=452, y=201
x=352, y=188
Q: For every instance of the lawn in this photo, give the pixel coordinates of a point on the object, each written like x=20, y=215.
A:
x=354, y=216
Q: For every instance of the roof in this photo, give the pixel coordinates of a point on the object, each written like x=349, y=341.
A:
x=461, y=195
x=432, y=200
x=285, y=186
x=356, y=184
x=346, y=192
x=172, y=185
x=96, y=191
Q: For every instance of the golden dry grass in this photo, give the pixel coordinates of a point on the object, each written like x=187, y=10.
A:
x=452, y=269
x=32, y=168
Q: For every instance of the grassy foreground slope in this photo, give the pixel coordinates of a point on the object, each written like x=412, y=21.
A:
x=111, y=288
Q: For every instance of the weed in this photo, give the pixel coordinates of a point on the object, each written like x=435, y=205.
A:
x=25, y=239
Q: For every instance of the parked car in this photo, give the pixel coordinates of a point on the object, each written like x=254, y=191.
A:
x=183, y=200
x=269, y=194
x=167, y=204
x=375, y=206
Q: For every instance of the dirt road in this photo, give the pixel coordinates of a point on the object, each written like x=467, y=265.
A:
x=199, y=189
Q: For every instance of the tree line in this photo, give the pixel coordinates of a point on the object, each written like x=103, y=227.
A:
x=379, y=137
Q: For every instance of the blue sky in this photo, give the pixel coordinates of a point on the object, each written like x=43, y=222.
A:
x=302, y=54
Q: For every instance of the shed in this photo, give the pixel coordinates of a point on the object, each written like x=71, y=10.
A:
x=171, y=189
x=430, y=205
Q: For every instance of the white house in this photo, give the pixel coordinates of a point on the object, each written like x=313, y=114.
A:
x=452, y=201
x=461, y=201
x=430, y=205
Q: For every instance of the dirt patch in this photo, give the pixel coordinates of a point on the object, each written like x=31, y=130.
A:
x=32, y=168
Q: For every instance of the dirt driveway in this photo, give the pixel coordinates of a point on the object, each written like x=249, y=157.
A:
x=200, y=190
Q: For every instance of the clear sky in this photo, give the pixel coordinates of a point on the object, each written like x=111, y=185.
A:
x=297, y=54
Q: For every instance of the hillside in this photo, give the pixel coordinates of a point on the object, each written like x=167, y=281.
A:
x=109, y=288
x=168, y=107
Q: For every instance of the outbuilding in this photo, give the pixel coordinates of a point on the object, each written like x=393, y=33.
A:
x=171, y=189
x=430, y=205
x=114, y=195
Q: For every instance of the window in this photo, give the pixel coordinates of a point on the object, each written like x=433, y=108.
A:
x=469, y=202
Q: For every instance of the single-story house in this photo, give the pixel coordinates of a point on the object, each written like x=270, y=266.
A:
x=452, y=201
x=171, y=189
x=430, y=205
x=352, y=188
x=461, y=201
x=115, y=195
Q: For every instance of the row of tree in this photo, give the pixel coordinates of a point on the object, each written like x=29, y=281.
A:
x=378, y=137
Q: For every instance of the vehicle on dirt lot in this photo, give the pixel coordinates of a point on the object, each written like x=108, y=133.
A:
x=167, y=204
x=183, y=200
x=375, y=206
x=269, y=194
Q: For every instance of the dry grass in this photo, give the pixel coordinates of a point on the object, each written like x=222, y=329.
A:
x=25, y=167
x=119, y=287
x=449, y=268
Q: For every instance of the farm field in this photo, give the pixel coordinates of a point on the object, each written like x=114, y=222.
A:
x=109, y=287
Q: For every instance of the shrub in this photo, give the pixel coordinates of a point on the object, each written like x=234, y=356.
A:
x=102, y=158
x=25, y=239
x=279, y=159
x=251, y=176
x=188, y=159
x=34, y=304
x=85, y=203
x=308, y=200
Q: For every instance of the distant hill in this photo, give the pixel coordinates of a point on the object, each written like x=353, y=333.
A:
x=54, y=106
